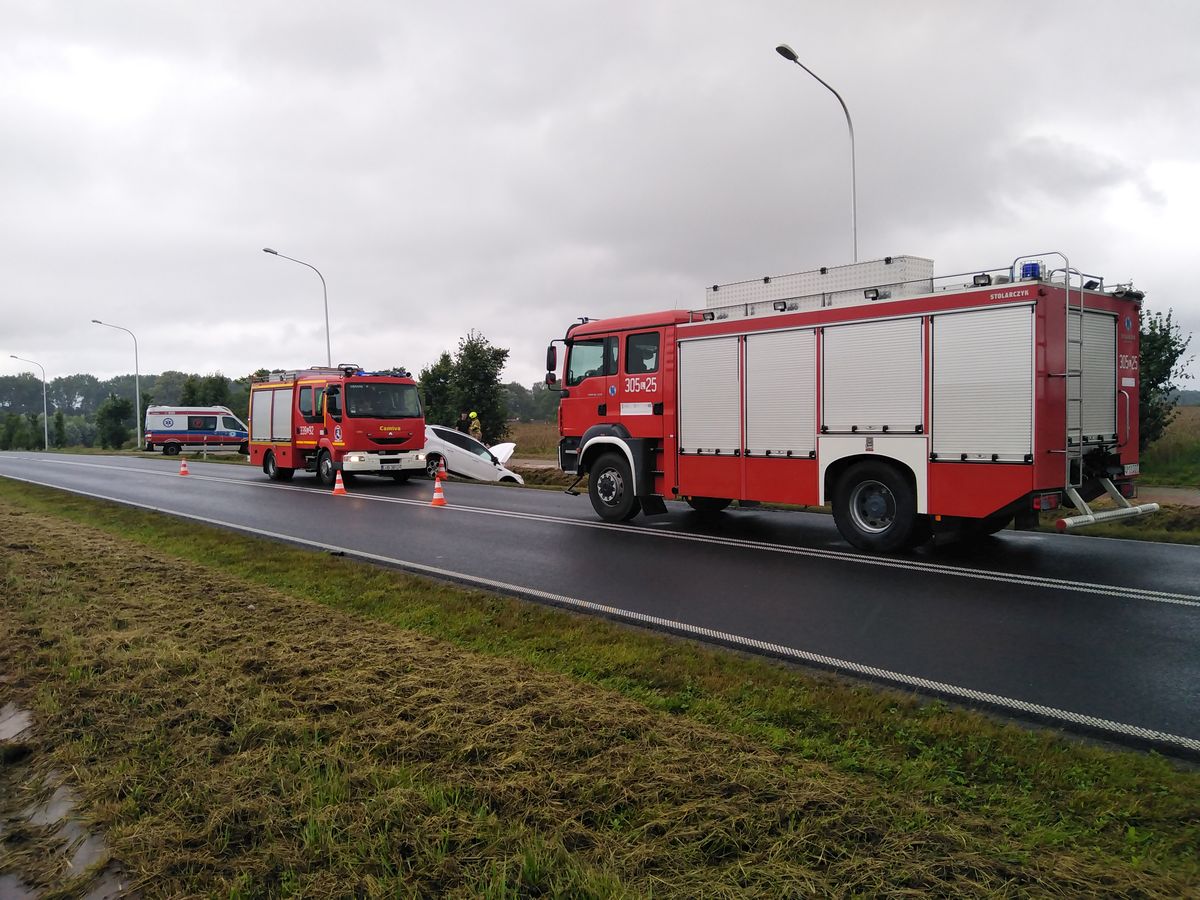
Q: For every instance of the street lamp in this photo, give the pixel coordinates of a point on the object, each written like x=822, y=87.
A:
x=790, y=55
x=324, y=292
x=45, y=408
x=137, y=386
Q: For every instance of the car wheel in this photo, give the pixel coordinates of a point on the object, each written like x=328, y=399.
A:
x=431, y=465
x=170, y=449
x=274, y=472
x=708, y=504
x=610, y=486
x=326, y=473
x=875, y=509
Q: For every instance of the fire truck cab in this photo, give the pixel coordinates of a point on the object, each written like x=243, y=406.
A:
x=910, y=403
x=324, y=419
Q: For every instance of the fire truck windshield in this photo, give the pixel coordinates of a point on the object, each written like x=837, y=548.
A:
x=366, y=400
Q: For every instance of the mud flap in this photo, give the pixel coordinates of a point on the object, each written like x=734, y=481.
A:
x=653, y=505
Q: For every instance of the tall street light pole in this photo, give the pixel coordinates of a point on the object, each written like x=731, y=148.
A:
x=790, y=55
x=324, y=292
x=137, y=386
x=45, y=408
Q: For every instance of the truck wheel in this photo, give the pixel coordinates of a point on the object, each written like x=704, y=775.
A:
x=274, y=472
x=326, y=473
x=707, y=504
x=431, y=465
x=170, y=449
x=149, y=448
x=875, y=509
x=610, y=485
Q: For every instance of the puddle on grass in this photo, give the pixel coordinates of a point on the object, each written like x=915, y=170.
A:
x=69, y=838
x=13, y=721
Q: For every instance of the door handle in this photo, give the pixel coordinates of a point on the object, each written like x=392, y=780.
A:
x=602, y=409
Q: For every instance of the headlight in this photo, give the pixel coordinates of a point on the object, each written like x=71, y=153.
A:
x=356, y=457
x=421, y=456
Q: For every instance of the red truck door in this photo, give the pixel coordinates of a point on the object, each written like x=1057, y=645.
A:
x=591, y=384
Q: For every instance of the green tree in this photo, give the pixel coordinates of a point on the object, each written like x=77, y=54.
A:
x=437, y=392
x=111, y=421
x=476, y=384
x=214, y=390
x=190, y=394
x=60, y=429
x=37, y=434
x=544, y=402
x=168, y=387
x=1162, y=368
x=518, y=401
x=15, y=435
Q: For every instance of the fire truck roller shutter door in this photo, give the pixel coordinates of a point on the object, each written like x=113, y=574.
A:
x=709, y=396
x=983, y=384
x=874, y=376
x=781, y=393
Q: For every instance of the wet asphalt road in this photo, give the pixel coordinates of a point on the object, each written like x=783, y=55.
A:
x=1087, y=633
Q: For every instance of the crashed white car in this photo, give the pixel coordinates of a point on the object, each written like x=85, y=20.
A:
x=466, y=457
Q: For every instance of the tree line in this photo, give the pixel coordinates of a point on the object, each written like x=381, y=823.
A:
x=86, y=411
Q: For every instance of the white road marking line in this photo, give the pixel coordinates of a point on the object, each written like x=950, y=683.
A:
x=779, y=650
x=1041, y=581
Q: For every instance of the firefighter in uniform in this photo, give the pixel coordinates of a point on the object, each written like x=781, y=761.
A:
x=476, y=428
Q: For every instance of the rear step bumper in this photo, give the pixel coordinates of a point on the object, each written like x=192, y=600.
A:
x=1125, y=510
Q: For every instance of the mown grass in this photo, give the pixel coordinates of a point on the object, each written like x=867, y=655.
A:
x=400, y=736
x=1174, y=459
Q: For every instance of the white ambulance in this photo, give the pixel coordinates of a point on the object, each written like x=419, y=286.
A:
x=207, y=428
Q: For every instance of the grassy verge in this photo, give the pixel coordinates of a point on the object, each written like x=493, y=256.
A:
x=247, y=719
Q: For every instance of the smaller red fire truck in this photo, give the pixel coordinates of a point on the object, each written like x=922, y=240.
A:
x=910, y=403
x=325, y=419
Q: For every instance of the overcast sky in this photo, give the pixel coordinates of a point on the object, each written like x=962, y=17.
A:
x=507, y=167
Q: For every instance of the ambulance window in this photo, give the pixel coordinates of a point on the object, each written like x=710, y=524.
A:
x=586, y=361
x=306, y=401
x=230, y=424
x=202, y=423
x=641, y=353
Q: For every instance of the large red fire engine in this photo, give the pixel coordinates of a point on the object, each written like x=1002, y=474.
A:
x=910, y=402
x=325, y=419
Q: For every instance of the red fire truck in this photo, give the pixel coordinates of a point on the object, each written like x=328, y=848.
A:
x=911, y=403
x=325, y=419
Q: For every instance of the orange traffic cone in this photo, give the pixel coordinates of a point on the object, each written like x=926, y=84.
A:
x=439, y=499
x=442, y=473
x=338, y=487
x=183, y=467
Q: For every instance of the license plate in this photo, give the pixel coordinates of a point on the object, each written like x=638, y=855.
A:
x=385, y=467
x=1133, y=469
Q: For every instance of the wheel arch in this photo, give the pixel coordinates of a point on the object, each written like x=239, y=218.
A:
x=833, y=471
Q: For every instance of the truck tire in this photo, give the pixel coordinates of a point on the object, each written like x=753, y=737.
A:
x=326, y=471
x=610, y=487
x=708, y=505
x=273, y=471
x=876, y=510
x=170, y=449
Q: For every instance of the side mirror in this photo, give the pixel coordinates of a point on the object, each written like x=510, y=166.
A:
x=551, y=379
x=551, y=359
